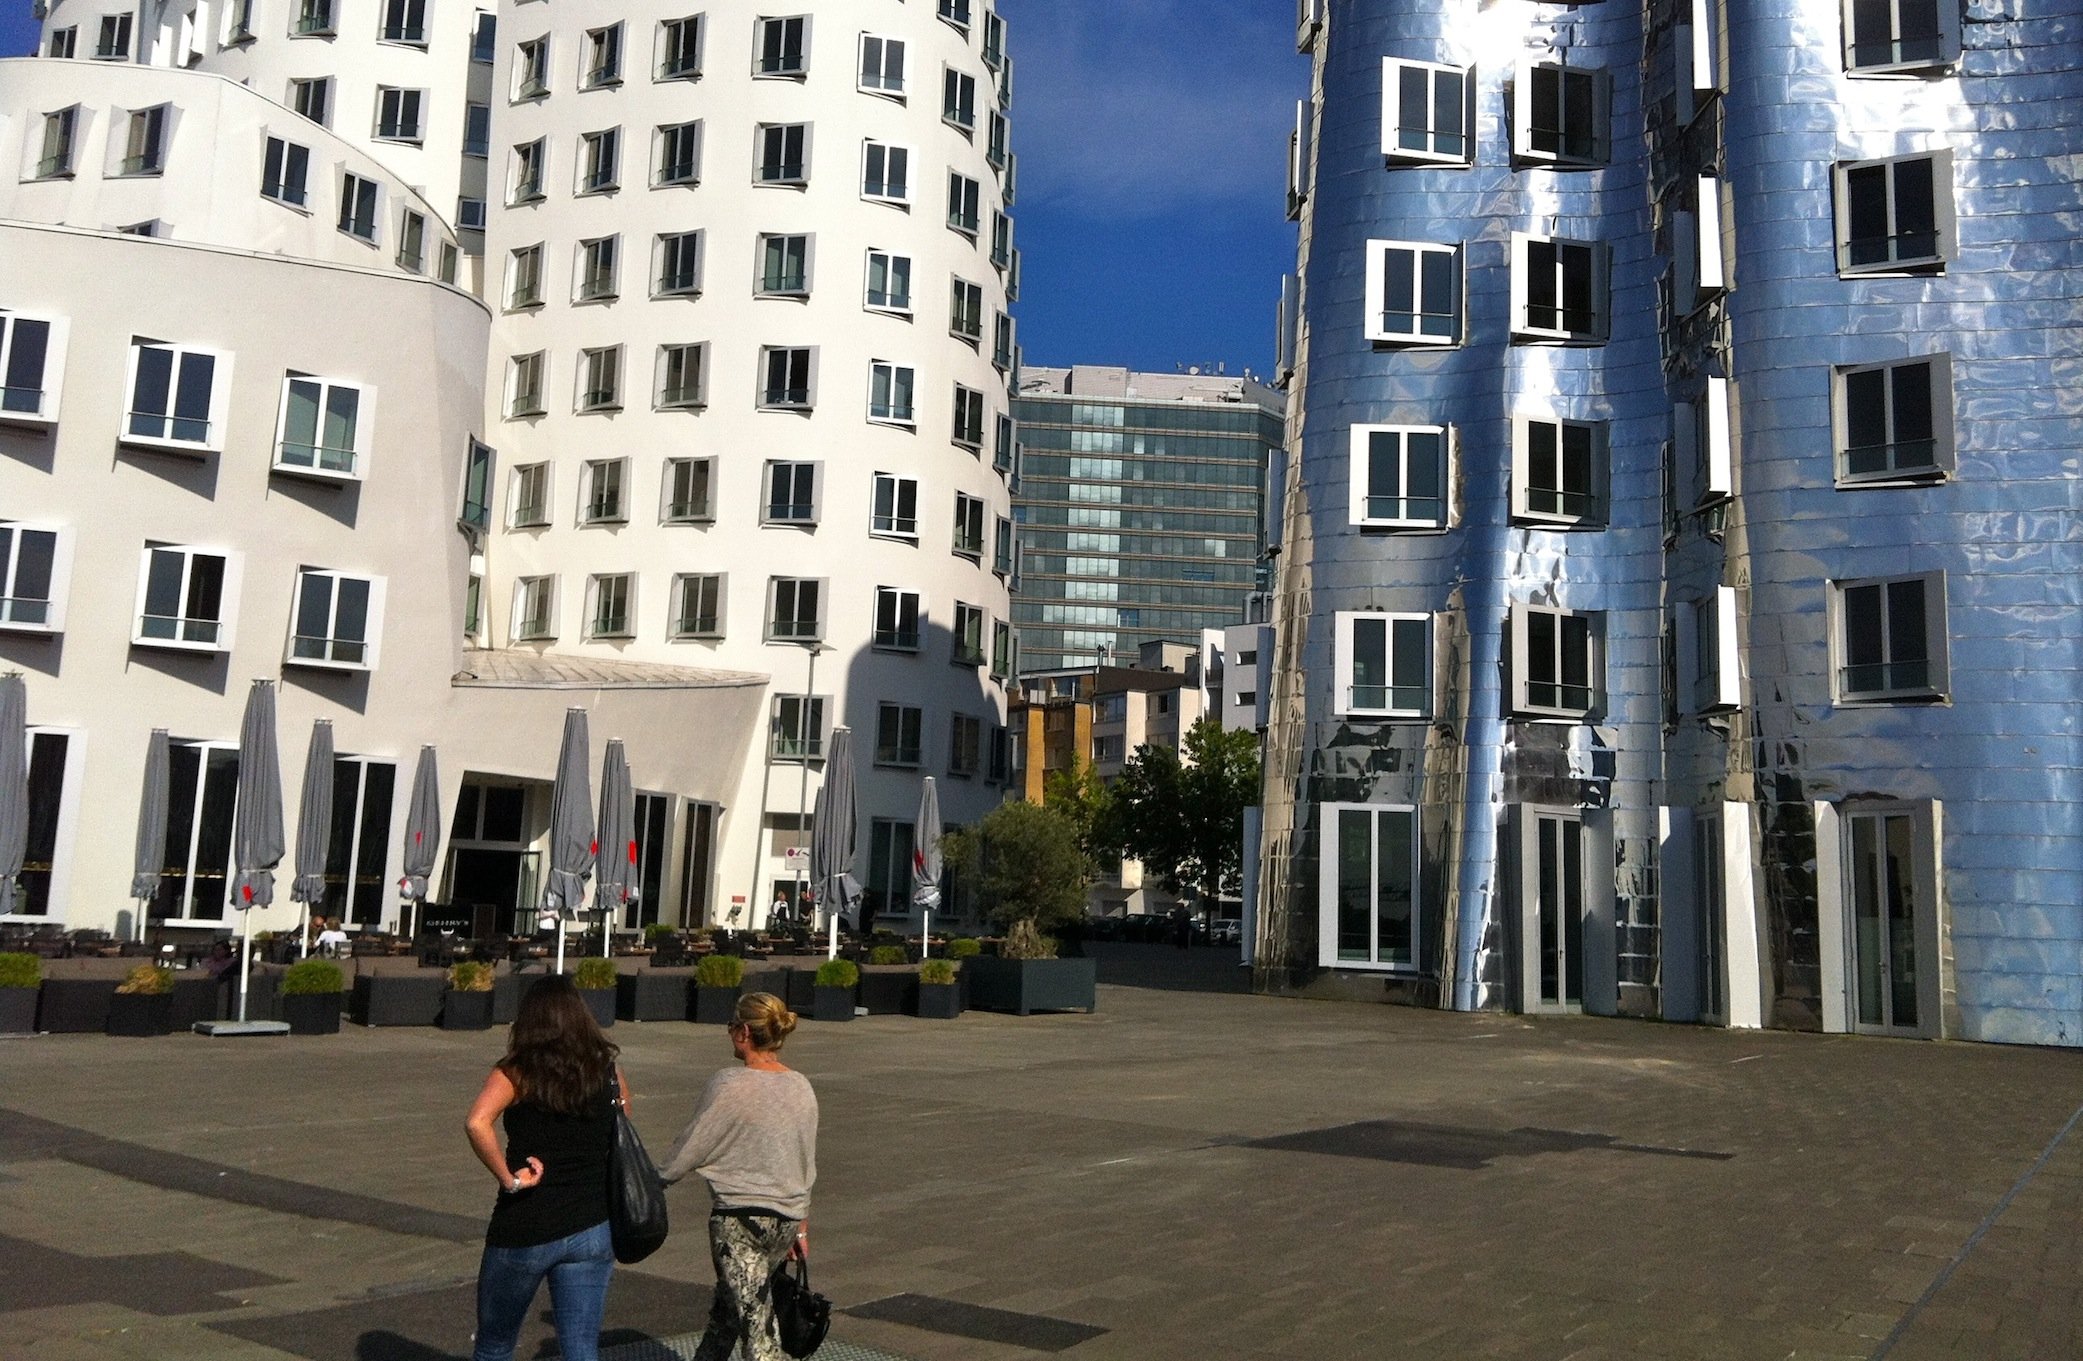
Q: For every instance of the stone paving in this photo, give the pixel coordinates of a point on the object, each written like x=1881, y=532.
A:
x=1184, y=1174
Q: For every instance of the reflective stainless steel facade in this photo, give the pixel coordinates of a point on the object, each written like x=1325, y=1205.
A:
x=1828, y=774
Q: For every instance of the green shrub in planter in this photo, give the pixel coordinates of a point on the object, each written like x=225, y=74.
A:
x=886, y=954
x=20, y=971
x=471, y=976
x=718, y=979
x=593, y=974
x=963, y=947
x=832, y=999
x=146, y=980
x=311, y=996
x=720, y=971
x=940, y=994
x=838, y=973
x=21, y=980
x=937, y=972
x=656, y=932
x=144, y=1002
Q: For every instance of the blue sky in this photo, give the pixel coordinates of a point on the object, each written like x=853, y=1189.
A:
x=1151, y=136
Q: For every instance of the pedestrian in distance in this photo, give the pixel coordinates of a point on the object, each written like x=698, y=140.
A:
x=753, y=1139
x=555, y=1092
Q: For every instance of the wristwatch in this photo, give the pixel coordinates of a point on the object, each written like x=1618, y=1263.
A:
x=516, y=1183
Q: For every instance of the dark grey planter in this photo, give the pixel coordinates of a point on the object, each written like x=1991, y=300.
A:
x=141, y=1014
x=802, y=989
x=601, y=1002
x=18, y=1011
x=940, y=1001
x=397, y=999
x=889, y=994
x=466, y=1010
x=507, y=991
x=1024, y=986
x=313, y=1013
x=652, y=996
x=75, y=1006
x=775, y=980
x=831, y=1004
x=196, y=998
x=715, y=1006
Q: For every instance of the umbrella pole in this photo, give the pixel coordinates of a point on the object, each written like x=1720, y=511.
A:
x=925, y=933
x=560, y=940
x=245, y=958
x=303, y=931
x=832, y=927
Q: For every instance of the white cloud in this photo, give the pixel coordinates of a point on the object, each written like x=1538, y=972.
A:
x=1142, y=107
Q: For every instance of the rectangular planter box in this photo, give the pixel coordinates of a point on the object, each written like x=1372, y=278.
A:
x=140, y=1014
x=397, y=999
x=466, y=1010
x=832, y=1004
x=601, y=1002
x=507, y=990
x=939, y=1001
x=313, y=1013
x=767, y=978
x=802, y=990
x=1023, y=986
x=889, y=994
x=714, y=1006
x=18, y=1011
x=195, y=999
x=652, y=996
x=75, y=1006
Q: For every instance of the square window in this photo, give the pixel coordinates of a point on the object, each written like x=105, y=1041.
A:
x=784, y=153
x=1399, y=476
x=698, y=605
x=600, y=161
x=680, y=153
x=610, y=606
x=470, y=214
x=524, y=385
x=312, y=98
x=783, y=46
x=535, y=609
x=1383, y=665
x=399, y=114
x=784, y=266
x=1559, y=290
x=1413, y=293
x=890, y=394
x=1887, y=36
x=35, y=569
x=794, y=610
x=792, y=494
x=1368, y=890
x=1889, y=636
x=896, y=619
x=528, y=500
x=683, y=377
x=64, y=43
x=1559, y=471
x=602, y=484
x=144, y=141
x=178, y=397
x=1562, y=116
x=187, y=598
x=680, y=48
x=358, y=208
x=1895, y=216
x=338, y=619
x=1428, y=113
x=32, y=360
x=895, y=511
x=956, y=12
x=324, y=429
x=603, y=58
x=405, y=21
x=689, y=491
x=1894, y=421
x=882, y=65
x=598, y=260
x=798, y=728
x=899, y=734
x=885, y=173
x=788, y=378
x=889, y=282
x=600, y=379
x=1558, y=662
x=112, y=43
x=968, y=635
x=680, y=265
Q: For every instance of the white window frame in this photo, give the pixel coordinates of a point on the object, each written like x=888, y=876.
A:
x=890, y=303
x=909, y=724
x=1936, y=682
x=312, y=97
x=672, y=512
x=1437, y=146
x=1400, y=632
x=967, y=535
x=597, y=270
x=1944, y=230
x=1703, y=445
x=599, y=163
x=527, y=385
x=1528, y=699
x=220, y=400
x=968, y=424
x=969, y=620
x=672, y=44
x=604, y=491
x=526, y=624
x=1327, y=952
x=965, y=745
x=788, y=400
x=328, y=642
x=147, y=133
x=893, y=507
x=52, y=604
x=892, y=186
x=1709, y=663
x=1896, y=62
x=1696, y=46
x=112, y=39
x=412, y=241
x=530, y=170
x=683, y=398
x=1939, y=382
x=661, y=286
x=1564, y=257
x=1362, y=508
x=892, y=394
x=227, y=599
x=598, y=586
x=356, y=193
x=892, y=606
x=291, y=161
x=765, y=285
x=876, y=79
x=782, y=66
x=713, y=584
x=798, y=629
x=799, y=728
x=1593, y=146
x=1545, y=505
x=598, y=385
x=58, y=154
x=50, y=378
x=958, y=100
x=965, y=198
x=530, y=514
x=780, y=172
x=671, y=174
x=401, y=115
x=524, y=268
x=531, y=68
x=404, y=22
x=601, y=58
x=363, y=435
x=1380, y=263
x=965, y=320
x=1699, y=272
x=794, y=512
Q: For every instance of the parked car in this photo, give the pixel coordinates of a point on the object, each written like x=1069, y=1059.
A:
x=1229, y=932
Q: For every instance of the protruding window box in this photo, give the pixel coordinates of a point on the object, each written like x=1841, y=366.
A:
x=323, y=432
x=32, y=361
x=178, y=399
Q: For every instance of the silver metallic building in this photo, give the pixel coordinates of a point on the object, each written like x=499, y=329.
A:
x=1680, y=600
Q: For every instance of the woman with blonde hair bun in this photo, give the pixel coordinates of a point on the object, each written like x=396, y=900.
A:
x=753, y=1139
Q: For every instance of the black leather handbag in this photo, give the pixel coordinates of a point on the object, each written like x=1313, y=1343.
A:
x=636, y=1194
x=801, y=1314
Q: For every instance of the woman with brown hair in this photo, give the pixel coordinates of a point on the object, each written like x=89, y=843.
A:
x=556, y=1090
x=754, y=1140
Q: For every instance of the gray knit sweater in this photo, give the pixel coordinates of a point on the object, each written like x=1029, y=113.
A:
x=754, y=1140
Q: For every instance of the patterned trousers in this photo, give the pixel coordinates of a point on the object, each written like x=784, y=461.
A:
x=745, y=1248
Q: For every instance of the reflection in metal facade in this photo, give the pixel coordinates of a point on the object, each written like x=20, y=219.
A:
x=1678, y=601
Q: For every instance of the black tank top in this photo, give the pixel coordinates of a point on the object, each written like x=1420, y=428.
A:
x=573, y=1193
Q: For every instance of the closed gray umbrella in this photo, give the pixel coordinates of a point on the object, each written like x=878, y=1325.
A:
x=14, y=785
x=151, y=828
x=833, y=835
x=314, y=827
x=422, y=833
x=926, y=862
x=256, y=839
x=571, y=826
x=617, y=841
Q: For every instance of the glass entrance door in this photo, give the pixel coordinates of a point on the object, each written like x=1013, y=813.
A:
x=1552, y=904
x=1884, y=921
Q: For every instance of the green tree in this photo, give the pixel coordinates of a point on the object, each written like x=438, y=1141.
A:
x=1025, y=865
x=1182, y=812
x=1087, y=803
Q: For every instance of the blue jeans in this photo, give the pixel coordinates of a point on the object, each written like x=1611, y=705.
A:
x=578, y=1268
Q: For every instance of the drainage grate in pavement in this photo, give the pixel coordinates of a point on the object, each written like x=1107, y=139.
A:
x=682, y=1349
x=1469, y=1149
x=1036, y=1332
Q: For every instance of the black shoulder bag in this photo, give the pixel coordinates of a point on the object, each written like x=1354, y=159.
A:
x=636, y=1194
x=801, y=1314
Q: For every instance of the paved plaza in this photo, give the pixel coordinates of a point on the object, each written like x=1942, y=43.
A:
x=1191, y=1172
